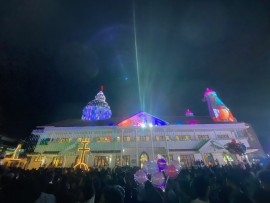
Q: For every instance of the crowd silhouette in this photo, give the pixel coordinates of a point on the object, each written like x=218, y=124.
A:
x=200, y=184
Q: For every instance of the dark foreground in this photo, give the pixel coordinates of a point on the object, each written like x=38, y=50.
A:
x=229, y=184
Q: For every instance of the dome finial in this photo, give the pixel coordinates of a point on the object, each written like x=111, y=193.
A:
x=101, y=88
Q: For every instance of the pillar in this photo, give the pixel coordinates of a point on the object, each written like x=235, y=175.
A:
x=137, y=150
x=152, y=144
x=122, y=146
x=167, y=148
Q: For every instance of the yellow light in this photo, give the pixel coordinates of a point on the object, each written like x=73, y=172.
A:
x=81, y=164
x=15, y=156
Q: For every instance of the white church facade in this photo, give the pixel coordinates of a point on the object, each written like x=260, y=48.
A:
x=114, y=142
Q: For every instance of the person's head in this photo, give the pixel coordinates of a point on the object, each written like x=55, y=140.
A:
x=264, y=179
x=239, y=198
x=200, y=187
x=233, y=181
x=88, y=188
x=111, y=194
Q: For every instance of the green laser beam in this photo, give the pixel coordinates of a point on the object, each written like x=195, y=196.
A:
x=136, y=55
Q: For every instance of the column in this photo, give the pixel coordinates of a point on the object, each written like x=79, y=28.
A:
x=167, y=148
x=235, y=135
x=202, y=154
x=215, y=134
x=64, y=164
x=152, y=144
x=137, y=150
x=122, y=146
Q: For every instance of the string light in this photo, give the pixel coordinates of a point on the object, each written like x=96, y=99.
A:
x=97, y=109
x=81, y=164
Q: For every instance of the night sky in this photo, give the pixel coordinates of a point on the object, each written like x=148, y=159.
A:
x=54, y=55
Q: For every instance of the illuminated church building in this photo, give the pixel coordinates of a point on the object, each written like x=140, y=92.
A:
x=99, y=140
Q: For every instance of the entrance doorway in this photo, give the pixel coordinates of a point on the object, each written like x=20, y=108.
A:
x=101, y=161
x=209, y=159
x=144, y=157
x=57, y=161
x=228, y=158
x=125, y=160
x=187, y=160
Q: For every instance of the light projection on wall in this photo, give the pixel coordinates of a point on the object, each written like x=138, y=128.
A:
x=143, y=120
x=97, y=109
x=217, y=109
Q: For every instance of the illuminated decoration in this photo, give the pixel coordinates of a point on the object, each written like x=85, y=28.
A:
x=189, y=113
x=8, y=151
x=236, y=148
x=104, y=139
x=138, y=138
x=81, y=163
x=97, y=109
x=14, y=160
x=39, y=158
x=143, y=120
x=62, y=140
x=15, y=155
x=217, y=109
x=192, y=122
x=57, y=161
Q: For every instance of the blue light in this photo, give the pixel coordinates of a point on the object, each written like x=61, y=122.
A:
x=97, y=109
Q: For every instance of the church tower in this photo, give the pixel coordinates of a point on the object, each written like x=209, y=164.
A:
x=217, y=109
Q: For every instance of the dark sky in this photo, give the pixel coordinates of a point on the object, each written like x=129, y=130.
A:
x=55, y=54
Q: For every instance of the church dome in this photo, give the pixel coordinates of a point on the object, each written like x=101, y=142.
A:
x=97, y=109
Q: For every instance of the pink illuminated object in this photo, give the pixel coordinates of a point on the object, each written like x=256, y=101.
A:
x=189, y=113
x=217, y=109
x=142, y=119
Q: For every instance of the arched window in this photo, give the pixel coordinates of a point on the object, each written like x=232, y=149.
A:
x=143, y=157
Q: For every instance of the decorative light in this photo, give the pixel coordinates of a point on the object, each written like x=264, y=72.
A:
x=189, y=113
x=192, y=122
x=217, y=109
x=97, y=109
x=15, y=156
x=141, y=119
x=150, y=125
x=81, y=164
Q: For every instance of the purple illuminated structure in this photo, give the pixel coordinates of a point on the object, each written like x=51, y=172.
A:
x=97, y=109
x=189, y=113
x=217, y=109
x=142, y=119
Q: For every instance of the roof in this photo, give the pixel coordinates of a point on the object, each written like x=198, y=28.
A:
x=142, y=119
x=8, y=141
x=189, y=120
x=171, y=120
x=79, y=122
